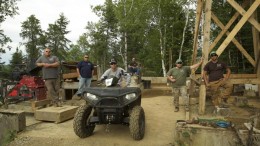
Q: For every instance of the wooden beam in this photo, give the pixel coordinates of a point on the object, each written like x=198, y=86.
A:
x=70, y=85
x=238, y=27
x=235, y=5
x=236, y=76
x=234, y=40
x=56, y=114
x=256, y=41
x=40, y=103
x=206, y=40
x=70, y=75
x=243, y=76
x=244, y=81
x=225, y=29
x=196, y=33
x=195, y=40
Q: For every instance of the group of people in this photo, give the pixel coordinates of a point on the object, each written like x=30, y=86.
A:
x=50, y=73
x=213, y=76
x=85, y=70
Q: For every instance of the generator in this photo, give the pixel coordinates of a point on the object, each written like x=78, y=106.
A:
x=29, y=87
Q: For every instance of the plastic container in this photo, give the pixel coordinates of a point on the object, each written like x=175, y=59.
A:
x=147, y=84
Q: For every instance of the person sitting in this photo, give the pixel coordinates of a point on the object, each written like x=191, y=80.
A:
x=118, y=72
x=134, y=68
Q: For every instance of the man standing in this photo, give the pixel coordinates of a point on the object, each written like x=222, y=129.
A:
x=85, y=70
x=177, y=76
x=50, y=70
x=214, y=78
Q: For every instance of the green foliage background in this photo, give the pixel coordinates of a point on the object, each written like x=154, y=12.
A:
x=151, y=31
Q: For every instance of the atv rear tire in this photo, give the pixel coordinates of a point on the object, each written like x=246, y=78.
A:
x=81, y=125
x=137, y=123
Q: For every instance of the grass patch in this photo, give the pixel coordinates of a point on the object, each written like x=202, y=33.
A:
x=9, y=137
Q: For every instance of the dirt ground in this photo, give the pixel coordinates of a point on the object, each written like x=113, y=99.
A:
x=160, y=125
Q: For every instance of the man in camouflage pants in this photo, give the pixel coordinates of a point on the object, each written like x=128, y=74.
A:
x=177, y=76
x=213, y=75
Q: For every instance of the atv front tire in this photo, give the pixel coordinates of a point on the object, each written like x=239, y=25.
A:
x=137, y=123
x=81, y=125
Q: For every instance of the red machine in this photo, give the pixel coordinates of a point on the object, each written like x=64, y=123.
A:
x=29, y=87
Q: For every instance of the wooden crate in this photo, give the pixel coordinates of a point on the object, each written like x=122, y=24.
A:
x=56, y=114
x=70, y=75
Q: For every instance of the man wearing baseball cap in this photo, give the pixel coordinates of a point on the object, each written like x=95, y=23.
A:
x=115, y=71
x=213, y=74
x=177, y=76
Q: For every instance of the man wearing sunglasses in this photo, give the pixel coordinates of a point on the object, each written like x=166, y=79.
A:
x=115, y=71
x=50, y=72
x=213, y=74
x=85, y=70
x=177, y=76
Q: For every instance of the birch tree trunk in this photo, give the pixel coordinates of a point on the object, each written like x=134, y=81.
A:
x=183, y=34
x=162, y=49
x=125, y=51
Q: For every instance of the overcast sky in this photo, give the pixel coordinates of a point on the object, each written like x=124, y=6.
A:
x=78, y=12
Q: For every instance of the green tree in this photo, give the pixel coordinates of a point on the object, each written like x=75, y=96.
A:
x=98, y=45
x=74, y=54
x=151, y=31
x=83, y=43
x=32, y=33
x=132, y=23
x=17, y=58
x=8, y=8
x=103, y=36
x=56, y=39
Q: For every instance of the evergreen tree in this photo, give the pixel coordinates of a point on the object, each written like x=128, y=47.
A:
x=32, y=33
x=56, y=37
x=8, y=8
x=17, y=59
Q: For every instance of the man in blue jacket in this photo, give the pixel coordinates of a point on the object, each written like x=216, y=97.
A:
x=85, y=70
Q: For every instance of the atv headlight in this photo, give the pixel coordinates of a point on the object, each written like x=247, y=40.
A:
x=130, y=96
x=92, y=96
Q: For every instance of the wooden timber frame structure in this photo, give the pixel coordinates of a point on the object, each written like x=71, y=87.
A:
x=204, y=6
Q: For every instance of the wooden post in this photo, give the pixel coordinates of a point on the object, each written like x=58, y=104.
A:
x=256, y=41
x=205, y=53
x=195, y=42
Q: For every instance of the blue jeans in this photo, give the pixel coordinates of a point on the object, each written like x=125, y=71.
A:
x=134, y=70
x=83, y=83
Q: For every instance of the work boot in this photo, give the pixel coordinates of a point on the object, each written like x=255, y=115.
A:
x=176, y=109
x=225, y=100
x=224, y=105
x=57, y=103
x=79, y=94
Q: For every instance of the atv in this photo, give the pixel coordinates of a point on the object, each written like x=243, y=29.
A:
x=110, y=105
